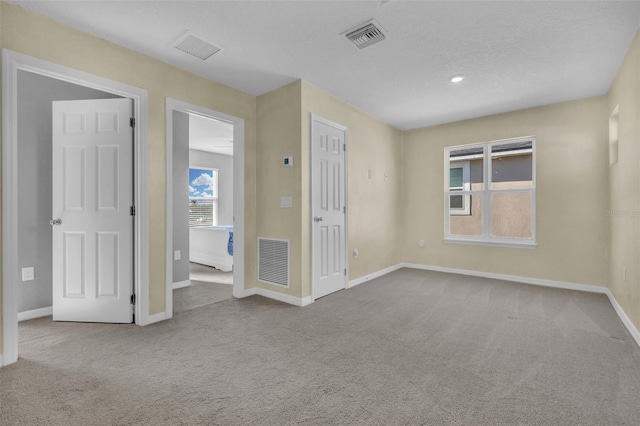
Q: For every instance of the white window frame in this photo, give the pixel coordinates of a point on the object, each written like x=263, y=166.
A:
x=486, y=192
x=214, y=199
x=466, y=186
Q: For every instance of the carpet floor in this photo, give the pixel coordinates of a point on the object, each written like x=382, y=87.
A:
x=208, y=285
x=412, y=347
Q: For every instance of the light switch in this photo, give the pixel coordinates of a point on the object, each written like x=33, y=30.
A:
x=286, y=202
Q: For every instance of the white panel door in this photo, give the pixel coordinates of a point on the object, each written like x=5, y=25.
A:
x=328, y=192
x=92, y=223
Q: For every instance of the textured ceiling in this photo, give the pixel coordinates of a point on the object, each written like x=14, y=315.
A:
x=515, y=54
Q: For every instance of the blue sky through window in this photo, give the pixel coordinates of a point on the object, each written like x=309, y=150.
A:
x=202, y=183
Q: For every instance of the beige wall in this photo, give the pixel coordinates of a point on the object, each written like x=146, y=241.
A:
x=374, y=206
x=624, y=202
x=278, y=115
x=31, y=34
x=572, y=194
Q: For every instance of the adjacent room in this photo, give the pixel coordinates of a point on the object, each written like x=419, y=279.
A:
x=320, y=212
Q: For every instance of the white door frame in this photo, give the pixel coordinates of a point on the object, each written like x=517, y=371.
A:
x=12, y=62
x=317, y=118
x=238, y=195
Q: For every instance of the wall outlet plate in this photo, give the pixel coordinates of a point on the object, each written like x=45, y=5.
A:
x=176, y=255
x=28, y=273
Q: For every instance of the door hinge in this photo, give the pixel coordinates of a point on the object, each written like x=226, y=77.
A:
x=344, y=146
x=132, y=122
x=345, y=272
x=344, y=209
x=132, y=210
x=133, y=299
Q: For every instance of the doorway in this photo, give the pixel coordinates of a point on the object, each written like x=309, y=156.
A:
x=191, y=265
x=15, y=206
x=203, y=232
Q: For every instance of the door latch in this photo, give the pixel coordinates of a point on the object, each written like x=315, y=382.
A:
x=317, y=219
x=53, y=222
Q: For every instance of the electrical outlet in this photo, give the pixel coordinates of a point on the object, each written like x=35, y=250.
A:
x=355, y=253
x=421, y=243
x=176, y=255
x=624, y=273
x=28, y=273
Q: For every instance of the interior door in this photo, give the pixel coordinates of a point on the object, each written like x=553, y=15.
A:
x=328, y=188
x=92, y=224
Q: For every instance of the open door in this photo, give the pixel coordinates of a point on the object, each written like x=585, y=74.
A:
x=92, y=219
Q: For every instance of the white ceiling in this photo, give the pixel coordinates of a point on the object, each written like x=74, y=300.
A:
x=210, y=135
x=515, y=54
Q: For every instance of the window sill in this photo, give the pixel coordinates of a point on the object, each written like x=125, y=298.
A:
x=525, y=244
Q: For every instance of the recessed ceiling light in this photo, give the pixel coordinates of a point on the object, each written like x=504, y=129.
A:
x=456, y=78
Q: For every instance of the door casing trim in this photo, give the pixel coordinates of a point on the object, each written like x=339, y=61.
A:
x=238, y=195
x=12, y=62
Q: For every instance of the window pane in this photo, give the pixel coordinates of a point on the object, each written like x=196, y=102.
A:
x=512, y=165
x=457, y=202
x=455, y=177
x=469, y=224
x=511, y=215
x=470, y=161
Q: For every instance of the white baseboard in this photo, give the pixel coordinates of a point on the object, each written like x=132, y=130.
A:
x=373, y=275
x=514, y=278
x=35, y=313
x=181, y=284
x=270, y=294
x=156, y=318
x=623, y=317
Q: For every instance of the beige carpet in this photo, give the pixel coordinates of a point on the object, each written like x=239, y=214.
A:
x=413, y=347
x=208, y=285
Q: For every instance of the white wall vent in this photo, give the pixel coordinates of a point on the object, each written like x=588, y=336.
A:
x=195, y=46
x=366, y=34
x=273, y=261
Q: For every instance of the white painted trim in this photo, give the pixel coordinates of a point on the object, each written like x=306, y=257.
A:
x=269, y=294
x=623, y=317
x=181, y=284
x=1, y=361
x=35, y=313
x=513, y=278
x=316, y=118
x=152, y=319
x=373, y=275
x=238, y=194
x=11, y=63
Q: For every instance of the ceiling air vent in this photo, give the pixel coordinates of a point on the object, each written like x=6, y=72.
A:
x=366, y=35
x=195, y=46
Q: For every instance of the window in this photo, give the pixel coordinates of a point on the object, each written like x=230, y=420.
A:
x=490, y=193
x=459, y=181
x=203, y=197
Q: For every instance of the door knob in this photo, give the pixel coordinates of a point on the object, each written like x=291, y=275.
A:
x=317, y=219
x=53, y=222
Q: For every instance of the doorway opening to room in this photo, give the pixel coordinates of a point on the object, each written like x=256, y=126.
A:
x=72, y=159
x=204, y=243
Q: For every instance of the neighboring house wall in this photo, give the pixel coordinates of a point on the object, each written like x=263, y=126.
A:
x=224, y=165
x=622, y=213
x=35, y=96
x=572, y=193
x=181, y=195
x=512, y=212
